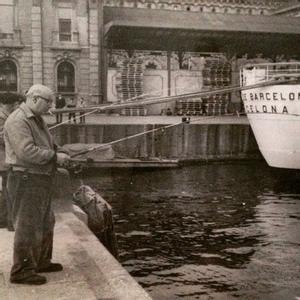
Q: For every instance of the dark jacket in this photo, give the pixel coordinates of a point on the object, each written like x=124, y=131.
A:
x=60, y=102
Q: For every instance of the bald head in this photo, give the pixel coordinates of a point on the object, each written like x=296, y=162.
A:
x=39, y=98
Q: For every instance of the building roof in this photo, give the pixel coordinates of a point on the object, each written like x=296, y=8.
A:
x=132, y=28
x=130, y=17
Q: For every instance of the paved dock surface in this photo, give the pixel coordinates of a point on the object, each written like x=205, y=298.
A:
x=90, y=272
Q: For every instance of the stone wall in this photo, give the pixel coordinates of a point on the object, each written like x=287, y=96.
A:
x=185, y=142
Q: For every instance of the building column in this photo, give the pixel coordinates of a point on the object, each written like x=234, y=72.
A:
x=95, y=8
x=169, y=54
x=37, y=42
x=103, y=66
x=104, y=73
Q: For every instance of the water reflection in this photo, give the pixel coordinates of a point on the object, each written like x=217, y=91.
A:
x=209, y=231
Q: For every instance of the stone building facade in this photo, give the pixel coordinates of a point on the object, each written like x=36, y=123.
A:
x=65, y=44
x=56, y=43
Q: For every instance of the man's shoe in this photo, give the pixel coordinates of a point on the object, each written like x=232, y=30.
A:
x=3, y=225
x=32, y=280
x=52, y=267
x=10, y=227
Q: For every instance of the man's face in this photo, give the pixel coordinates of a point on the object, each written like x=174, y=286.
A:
x=41, y=104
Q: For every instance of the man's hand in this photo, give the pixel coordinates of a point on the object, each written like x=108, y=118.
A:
x=62, y=158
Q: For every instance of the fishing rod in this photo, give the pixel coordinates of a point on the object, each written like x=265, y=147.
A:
x=78, y=168
x=164, y=99
x=184, y=120
x=75, y=118
x=105, y=145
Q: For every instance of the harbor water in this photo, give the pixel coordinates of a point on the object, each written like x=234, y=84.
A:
x=215, y=231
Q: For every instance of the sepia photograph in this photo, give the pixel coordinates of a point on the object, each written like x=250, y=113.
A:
x=149, y=149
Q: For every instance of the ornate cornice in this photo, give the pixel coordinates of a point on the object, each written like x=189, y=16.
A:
x=67, y=56
x=8, y=53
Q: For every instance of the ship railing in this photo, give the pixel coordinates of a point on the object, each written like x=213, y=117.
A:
x=255, y=73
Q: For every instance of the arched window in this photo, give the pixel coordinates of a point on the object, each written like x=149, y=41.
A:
x=65, y=78
x=8, y=76
x=151, y=65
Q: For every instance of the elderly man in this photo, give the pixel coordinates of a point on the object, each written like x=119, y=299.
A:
x=32, y=157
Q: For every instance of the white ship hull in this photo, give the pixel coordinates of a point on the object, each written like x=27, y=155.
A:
x=274, y=116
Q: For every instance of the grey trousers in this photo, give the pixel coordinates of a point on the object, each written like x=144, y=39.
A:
x=33, y=221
